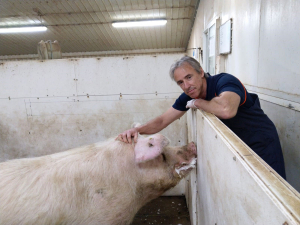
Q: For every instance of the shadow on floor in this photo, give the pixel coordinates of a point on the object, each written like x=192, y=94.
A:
x=165, y=210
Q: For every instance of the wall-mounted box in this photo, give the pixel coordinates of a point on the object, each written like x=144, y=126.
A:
x=225, y=38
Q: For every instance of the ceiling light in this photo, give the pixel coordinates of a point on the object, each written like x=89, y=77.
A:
x=21, y=29
x=143, y=23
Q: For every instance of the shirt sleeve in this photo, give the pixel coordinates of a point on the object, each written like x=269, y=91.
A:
x=231, y=83
x=180, y=103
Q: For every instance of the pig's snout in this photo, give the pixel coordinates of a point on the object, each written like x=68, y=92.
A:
x=189, y=152
x=187, y=159
x=192, y=149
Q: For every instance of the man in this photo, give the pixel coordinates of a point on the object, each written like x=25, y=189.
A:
x=226, y=97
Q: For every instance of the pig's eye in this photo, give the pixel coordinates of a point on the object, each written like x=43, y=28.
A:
x=150, y=145
x=164, y=157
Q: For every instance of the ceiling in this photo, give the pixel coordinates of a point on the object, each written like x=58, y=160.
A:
x=86, y=25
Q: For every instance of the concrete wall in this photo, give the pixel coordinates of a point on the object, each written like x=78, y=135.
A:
x=265, y=56
x=51, y=106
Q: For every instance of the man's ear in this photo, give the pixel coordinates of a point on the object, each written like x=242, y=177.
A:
x=202, y=74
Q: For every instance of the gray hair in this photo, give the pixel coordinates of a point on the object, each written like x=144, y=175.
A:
x=186, y=59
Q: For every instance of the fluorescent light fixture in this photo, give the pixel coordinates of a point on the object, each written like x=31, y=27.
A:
x=142, y=23
x=21, y=29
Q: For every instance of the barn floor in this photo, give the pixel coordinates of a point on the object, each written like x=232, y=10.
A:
x=166, y=210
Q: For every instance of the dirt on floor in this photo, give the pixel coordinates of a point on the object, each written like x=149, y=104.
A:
x=165, y=210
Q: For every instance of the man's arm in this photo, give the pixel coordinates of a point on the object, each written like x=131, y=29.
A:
x=224, y=106
x=153, y=126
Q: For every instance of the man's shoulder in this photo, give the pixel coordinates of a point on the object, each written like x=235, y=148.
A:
x=224, y=78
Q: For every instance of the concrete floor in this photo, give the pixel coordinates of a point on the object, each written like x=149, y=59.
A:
x=166, y=210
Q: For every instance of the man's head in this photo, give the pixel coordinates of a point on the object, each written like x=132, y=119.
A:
x=189, y=75
x=186, y=59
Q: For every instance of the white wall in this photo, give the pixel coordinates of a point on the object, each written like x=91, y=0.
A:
x=234, y=185
x=265, y=57
x=51, y=106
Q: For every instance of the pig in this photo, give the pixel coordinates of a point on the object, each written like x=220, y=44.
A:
x=104, y=183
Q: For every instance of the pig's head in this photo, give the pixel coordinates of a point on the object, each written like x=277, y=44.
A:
x=161, y=163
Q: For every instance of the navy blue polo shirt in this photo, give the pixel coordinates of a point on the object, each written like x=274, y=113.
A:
x=250, y=123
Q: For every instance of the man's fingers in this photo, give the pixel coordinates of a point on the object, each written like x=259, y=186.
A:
x=128, y=138
x=122, y=138
x=119, y=137
x=135, y=137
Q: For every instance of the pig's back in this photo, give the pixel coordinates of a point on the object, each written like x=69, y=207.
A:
x=42, y=190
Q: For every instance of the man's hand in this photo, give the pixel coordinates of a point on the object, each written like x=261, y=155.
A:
x=191, y=104
x=127, y=135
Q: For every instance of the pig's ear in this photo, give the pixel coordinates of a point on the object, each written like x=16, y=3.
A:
x=145, y=151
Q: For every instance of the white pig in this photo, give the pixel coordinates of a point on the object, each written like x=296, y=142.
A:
x=104, y=183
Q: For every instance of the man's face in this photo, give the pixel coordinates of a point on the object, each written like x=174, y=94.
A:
x=190, y=81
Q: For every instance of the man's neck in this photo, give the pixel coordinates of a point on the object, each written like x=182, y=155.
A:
x=204, y=89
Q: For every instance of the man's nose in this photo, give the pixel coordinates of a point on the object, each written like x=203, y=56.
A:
x=186, y=85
